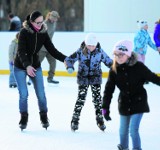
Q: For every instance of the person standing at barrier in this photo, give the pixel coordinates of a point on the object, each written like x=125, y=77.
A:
x=141, y=40
x=15, y=22
x=31, y=39
x=90, y=56
x=129, y=75
x=51, y=21
x=12, y=54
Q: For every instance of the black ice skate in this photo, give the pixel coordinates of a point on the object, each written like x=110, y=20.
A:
x=53, y=81
x=23, y=121
x=44, y=120
x=74, y=125
x=12, y=86
x=121, y=148
x=100, y=124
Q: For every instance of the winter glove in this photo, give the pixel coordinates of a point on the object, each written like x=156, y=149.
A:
x=106, y=114
x=70, y=70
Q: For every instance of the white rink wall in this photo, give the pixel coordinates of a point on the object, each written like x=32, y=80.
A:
x=68, y=42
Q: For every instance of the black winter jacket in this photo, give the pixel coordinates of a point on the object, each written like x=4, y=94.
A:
x=29, y=44
x=129, y=79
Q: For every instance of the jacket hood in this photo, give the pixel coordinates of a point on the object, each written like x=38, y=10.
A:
x=133, y=59
x=28, y=27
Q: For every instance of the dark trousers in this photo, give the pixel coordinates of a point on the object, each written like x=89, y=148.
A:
x=96, y=99
x=51, y=60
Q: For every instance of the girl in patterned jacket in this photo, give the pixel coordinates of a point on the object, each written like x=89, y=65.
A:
x=89, y=55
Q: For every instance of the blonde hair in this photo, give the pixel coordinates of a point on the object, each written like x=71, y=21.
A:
x=114, y=65
x=48, y=15
x=85, y=50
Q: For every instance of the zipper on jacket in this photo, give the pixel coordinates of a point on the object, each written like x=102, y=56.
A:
x=34, y=50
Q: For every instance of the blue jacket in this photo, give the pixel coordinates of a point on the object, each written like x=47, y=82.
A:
x=156, y=35
x=89, y=68
x=141, y=40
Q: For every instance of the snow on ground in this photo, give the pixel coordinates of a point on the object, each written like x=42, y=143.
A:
x=61, y=99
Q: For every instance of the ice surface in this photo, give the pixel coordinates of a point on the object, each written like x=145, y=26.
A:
x=61, y=100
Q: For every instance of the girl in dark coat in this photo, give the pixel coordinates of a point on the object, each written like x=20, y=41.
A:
x=89, y=56
x=31, y=39
x=129, y=75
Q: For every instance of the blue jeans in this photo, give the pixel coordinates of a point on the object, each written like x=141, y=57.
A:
x=38, y=84
x=130, y=124
x=11, y=75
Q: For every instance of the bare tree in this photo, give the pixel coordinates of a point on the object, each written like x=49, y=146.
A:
x=71, y=11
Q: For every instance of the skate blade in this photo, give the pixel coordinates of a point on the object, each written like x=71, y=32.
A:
x=45, y=126
x=22, y=127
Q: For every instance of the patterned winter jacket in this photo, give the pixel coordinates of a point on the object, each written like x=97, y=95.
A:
x=141, y=40
x=89, y=68
x=129, y=79
x=29, y=44
x=156, y=35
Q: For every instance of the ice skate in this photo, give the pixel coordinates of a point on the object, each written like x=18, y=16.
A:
x=12, y=85
x=23, y=121
x=52, y=81
x=44, y=120
x=74, y=125
x=100, y=123
x=121, y=148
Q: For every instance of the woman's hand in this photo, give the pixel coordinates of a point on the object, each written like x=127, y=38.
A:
x=31, y=71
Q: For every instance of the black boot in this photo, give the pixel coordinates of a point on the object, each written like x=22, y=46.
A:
x=100, y=123
x=52, y=81
x=23, y=121
x=44, y=120
x=12, y=85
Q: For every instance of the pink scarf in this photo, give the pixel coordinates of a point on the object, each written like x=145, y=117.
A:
x=37, y=30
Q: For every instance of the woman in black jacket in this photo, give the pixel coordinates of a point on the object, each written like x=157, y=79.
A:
x=32, y=37
x=129, y=75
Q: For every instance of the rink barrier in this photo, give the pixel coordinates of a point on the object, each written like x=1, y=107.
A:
x=57, y=73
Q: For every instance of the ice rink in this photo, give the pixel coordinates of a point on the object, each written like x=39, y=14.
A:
x=61, y=99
